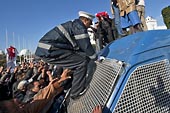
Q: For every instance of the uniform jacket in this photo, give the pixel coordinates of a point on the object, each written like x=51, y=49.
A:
x=64, y=39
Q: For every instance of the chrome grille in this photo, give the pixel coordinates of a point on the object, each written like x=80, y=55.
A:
x=147, y=90
x=100, y=88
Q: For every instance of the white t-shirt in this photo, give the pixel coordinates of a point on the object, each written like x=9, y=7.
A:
x=141, y=2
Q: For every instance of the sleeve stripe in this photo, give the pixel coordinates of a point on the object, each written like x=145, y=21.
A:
x=44, y=46
x=93, y=56
x=82, y=36
x=66, y=34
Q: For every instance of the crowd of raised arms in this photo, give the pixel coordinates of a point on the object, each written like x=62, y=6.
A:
x=22, y=87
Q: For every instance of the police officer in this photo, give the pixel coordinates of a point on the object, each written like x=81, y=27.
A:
x=68, y=45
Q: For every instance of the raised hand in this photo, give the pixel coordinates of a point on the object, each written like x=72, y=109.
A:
x=1, y=69
x=65, y=75
x=97, y=109
x=49, y=75
x=31, y=65
x=8, y=69
x=15, y=69
x=57, y=82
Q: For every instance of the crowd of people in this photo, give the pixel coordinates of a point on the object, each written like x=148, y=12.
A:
x=65, y=53
x=33, y=88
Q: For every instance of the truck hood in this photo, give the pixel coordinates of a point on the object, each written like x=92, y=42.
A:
x=127, y=47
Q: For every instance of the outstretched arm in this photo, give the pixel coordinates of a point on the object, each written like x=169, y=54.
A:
x=65, y=75
x=46, y=95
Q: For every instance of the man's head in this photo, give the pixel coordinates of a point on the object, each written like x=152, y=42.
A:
x=22, y=85
x=86, y=18
x=36, y=87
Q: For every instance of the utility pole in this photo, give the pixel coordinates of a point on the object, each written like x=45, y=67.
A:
x=14, y=39
x=6, y=39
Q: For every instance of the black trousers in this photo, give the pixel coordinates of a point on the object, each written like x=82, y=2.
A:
x=78, y=64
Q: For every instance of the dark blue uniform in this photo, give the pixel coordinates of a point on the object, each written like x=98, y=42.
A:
x=68, y=45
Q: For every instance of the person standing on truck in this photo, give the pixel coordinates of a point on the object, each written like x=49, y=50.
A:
x=104, y=29
x=129, y=16
x=140, y=7
x=68, y=45
x=118, y=32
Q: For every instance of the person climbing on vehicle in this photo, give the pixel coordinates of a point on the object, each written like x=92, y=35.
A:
x=68, y=45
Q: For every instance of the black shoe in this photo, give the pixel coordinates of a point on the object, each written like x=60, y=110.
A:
x=83, y=92
x=80, y=94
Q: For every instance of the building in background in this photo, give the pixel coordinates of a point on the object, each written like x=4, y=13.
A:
x=25, y=55
x=152, y=24
x=1, y=52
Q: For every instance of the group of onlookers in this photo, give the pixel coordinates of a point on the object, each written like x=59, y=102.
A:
x=34, y=88
x=31, y=88
x=128, y=17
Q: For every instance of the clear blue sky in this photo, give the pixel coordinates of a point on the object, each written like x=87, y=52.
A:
x=24, y=22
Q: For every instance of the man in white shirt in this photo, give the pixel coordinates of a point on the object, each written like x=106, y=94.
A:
x=141, y=12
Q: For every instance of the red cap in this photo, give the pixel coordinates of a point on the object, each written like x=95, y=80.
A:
x=102, y=14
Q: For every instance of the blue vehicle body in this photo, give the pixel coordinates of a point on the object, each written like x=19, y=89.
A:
x=128, y=48
x=135, y=50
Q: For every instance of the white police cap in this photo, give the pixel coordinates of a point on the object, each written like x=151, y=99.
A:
x=87, y=15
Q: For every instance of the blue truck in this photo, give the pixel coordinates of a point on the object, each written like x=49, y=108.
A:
x=133, y=76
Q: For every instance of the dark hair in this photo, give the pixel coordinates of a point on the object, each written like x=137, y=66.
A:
x=30, y=86
x=83, y=18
